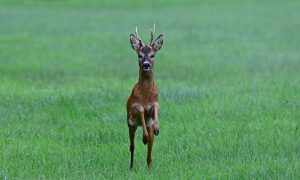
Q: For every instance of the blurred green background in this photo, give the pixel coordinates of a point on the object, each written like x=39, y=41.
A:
x=228, y=79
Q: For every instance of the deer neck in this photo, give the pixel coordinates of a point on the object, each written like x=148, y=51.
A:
x=146, y=80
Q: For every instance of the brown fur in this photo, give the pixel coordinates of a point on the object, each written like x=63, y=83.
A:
x=142, y=105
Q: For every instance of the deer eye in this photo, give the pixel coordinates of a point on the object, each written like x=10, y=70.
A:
x=140, y=56
x=152, y=56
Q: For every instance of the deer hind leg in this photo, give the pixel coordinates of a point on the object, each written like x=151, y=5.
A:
x=132, y=130
x=150, y=144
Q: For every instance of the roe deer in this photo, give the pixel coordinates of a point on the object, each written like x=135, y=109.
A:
x=142, y=105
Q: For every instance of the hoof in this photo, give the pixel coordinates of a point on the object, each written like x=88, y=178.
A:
x=156, y=132
x=149, y=164
x=145, y=140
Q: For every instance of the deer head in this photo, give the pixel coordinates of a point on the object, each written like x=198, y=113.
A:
x=146, y=53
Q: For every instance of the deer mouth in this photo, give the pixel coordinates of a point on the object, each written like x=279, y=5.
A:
x=146, y=66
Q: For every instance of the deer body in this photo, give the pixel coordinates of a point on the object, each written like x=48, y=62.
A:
x=142, y=105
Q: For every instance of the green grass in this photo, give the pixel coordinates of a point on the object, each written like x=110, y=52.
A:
x=228, y=78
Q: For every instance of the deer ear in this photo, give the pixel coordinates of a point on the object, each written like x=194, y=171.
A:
x=157, y=44
x=135, y=42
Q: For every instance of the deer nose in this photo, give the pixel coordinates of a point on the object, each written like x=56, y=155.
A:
x=146, y=65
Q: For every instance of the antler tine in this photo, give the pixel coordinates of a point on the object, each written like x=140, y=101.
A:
x=136, y=33
x=152, y=34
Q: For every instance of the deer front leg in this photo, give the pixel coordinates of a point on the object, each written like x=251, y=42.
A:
x=155, y=125
x=139, y=110
x=132, y=130
x=150, y=144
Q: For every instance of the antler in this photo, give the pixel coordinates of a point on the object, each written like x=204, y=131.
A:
x=152, y=34
x=137, y=35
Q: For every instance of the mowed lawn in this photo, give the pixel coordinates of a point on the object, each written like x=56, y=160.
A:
x=228, y=79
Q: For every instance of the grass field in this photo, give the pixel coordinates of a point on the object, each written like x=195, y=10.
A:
x=228, y=79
